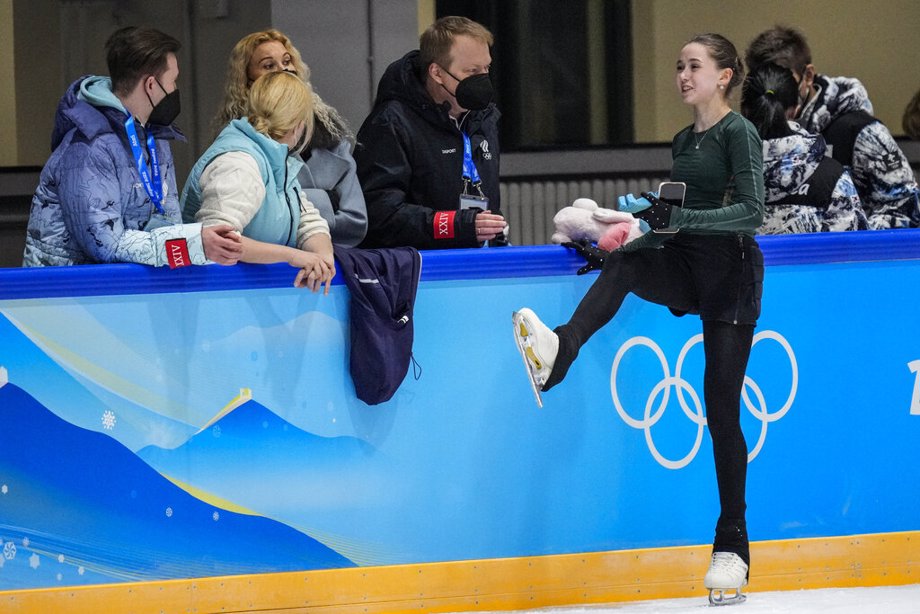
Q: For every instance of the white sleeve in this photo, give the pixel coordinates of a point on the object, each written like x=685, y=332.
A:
x=232, y=191
x=311, y=222
x=177, y=245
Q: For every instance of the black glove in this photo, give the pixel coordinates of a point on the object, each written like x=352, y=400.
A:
x=657, y=216
x=590, y=252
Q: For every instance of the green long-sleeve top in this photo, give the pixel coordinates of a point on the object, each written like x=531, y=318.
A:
x=723, y=170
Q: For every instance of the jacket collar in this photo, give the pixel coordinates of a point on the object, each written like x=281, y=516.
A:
x=276, y=153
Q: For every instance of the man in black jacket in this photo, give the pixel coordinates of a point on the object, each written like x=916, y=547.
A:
x=428, y=153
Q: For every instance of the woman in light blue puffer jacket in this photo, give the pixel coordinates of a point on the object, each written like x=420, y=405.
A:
x=248, y=179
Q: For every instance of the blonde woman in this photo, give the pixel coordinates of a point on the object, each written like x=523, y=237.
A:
x=248, y=179
x=329, y=173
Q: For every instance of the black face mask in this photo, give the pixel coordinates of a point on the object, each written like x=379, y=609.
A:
x=474, y=93
x=167, y=110
x=300, y=145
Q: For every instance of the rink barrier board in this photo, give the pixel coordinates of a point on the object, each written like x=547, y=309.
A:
x=866, y=559
x=885, y=559
x=459, y=264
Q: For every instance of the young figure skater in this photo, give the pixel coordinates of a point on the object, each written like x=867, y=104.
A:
x=700, y=258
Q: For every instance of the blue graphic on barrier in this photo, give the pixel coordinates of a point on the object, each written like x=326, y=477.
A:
x=84, y=509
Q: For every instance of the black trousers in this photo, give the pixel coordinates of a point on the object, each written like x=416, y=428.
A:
x=719, y=277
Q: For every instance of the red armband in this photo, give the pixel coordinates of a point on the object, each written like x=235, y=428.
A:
x=444, y=224
x=177, y=253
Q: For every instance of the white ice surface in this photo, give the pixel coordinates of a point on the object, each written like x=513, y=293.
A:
x=880, y=599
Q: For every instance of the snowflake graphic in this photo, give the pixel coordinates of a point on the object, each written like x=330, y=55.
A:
x=81, y=570
x=108, y=420
x=25, y=542
x=34, y=561
x=215, y=516
x=169, y=512
x=60, y=558
x=215, y=431
x=9, y=551
x=4, y=489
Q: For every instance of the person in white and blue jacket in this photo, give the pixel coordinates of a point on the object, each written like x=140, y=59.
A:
x=108, y=191
x=247, y=178
x=805, y=190
x=839, y=109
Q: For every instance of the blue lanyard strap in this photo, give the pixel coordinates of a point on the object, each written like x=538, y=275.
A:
x=469, y=169
x=153, y=183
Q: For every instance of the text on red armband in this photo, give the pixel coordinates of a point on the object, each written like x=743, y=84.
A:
x=444, y=224
x=177, y=253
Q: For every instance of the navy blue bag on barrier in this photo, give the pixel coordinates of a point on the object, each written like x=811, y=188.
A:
x=383, y=284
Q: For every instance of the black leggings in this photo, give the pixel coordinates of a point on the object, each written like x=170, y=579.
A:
x=664, y=278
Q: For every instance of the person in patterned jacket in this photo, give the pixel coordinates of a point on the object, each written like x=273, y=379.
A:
x=839, y=109
x=806, y=191
x=108, y=191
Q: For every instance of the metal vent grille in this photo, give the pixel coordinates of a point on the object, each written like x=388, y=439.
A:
x=529, y=206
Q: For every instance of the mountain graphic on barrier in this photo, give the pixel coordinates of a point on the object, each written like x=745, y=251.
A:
x=251, y=457
x=249, y=440
x=69, y=387
x=78, y=507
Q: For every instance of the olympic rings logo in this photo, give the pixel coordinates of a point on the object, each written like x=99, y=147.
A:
x=695, y=413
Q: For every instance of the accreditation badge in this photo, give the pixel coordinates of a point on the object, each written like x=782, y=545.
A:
x=470, y=201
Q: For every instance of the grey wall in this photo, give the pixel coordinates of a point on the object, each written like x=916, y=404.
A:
x=348, y=44
x=214, y=28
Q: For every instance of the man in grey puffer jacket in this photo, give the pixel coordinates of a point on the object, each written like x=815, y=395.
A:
x=108, y=191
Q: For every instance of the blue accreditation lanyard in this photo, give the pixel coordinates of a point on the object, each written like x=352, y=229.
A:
x=470, y=174
x=153, y=183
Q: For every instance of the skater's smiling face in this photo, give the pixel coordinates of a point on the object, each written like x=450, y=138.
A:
x=698, y=77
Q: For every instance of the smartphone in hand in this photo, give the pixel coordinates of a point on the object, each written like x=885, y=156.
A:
x=672, y=193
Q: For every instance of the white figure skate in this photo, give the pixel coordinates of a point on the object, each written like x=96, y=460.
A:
x=726, y=577
x=538, y=346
